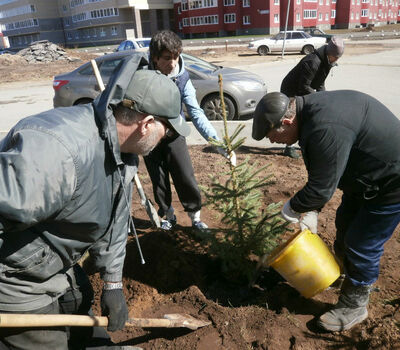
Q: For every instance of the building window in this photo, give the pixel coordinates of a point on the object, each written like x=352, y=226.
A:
x=307, y=14
x=321, y=2
x=195, y=4
x=333, y=1
x=327, y=2
x=327, y=16
x=320, y=16
x=364, y=13
x=246, y=19
x=229, y=3
x=180, y=25
x=69, y=36
x=230, y=18
x=358, y=2
x=333, y=13
x=352, y=15
x=276, y=18
x=64, y=8
x=357, y=15
x=246, y=3
x=184, y=5
x=211, y=3
x=114, y=30
x=298, y=2
x=179, y=10
x=102, y=32
x=276, y=2
x=310, y=0
x=297, y=17
x=200, y=21
x=67, y=22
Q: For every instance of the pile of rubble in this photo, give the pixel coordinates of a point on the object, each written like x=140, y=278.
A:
x=45, y=51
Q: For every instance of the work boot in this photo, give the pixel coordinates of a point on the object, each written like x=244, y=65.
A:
x=291, y=152
x=350, y=309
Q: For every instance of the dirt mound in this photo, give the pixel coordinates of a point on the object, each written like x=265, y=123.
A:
x=180, y=277
x=12, y=60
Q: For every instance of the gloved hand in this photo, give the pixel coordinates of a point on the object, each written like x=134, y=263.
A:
x=231, y=157
x=289, y=214
x=113, y=305
x=309, y=221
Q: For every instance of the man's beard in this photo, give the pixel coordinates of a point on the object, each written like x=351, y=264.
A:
x=146, y=145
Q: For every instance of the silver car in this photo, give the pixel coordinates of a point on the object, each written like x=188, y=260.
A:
x=242, y=90
x=296, y=40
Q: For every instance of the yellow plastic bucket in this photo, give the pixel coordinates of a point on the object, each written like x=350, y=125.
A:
x=306, y=263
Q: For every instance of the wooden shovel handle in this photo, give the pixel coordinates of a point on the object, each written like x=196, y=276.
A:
x=35, y=320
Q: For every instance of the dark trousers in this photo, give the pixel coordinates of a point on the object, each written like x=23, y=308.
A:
x=171, y=157
x=77, y=300
x=362, y=230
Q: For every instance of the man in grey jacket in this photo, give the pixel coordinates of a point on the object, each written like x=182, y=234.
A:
x=65, y=188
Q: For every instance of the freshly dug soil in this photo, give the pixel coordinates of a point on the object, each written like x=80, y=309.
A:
x=180, y=277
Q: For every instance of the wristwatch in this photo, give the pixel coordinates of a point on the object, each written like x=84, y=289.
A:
x=112, y=285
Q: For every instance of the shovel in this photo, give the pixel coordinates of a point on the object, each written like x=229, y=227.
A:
x=151, y=212
x=37, y=320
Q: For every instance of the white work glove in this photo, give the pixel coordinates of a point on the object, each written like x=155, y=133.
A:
x=309, y=221
x=289, y=214
x=231, y=157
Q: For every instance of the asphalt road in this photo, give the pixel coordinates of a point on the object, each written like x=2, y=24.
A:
x=377, y=74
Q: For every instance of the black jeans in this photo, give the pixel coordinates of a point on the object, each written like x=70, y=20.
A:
x=77, y=300
x=171, y=156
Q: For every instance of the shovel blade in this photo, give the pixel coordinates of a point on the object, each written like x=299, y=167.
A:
x=187, y=321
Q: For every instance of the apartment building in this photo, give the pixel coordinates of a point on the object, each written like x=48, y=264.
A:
x=77, y=23
x=211, y=18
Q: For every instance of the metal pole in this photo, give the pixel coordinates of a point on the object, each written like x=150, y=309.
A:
x=284, y=38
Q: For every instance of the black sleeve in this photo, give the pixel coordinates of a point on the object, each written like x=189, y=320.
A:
x=325, y=154
x=308, y=71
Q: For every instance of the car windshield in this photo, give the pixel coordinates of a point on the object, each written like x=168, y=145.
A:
x=199, y=64
x=143, y=43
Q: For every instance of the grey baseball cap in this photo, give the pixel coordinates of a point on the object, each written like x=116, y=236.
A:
x=151, y=92
x=268, y=114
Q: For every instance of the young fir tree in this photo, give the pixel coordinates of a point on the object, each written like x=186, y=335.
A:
x=250, y=228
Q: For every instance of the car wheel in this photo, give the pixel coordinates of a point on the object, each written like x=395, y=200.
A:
x=212, y=107
x=263, y=50
x=307, y=49
x=83, y=101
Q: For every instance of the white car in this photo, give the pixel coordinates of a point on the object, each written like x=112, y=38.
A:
x=295, y=41
x=138, y=44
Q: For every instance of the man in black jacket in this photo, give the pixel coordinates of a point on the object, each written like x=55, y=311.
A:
x=351, y=141
x=310, y=73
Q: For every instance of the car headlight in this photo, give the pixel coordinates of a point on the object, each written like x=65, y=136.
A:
x=248, y=85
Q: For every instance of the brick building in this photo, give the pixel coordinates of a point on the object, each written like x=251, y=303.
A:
x=74, y=23
x=211, y=18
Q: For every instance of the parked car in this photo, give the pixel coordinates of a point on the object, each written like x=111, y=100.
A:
x=318, y=33
x=295, y=41
x=5, y=51
x=140, y=44
x=242, y=89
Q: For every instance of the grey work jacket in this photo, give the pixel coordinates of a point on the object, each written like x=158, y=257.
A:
x=61, y=195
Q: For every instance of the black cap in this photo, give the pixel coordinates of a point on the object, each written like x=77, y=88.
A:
x=268, y=114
